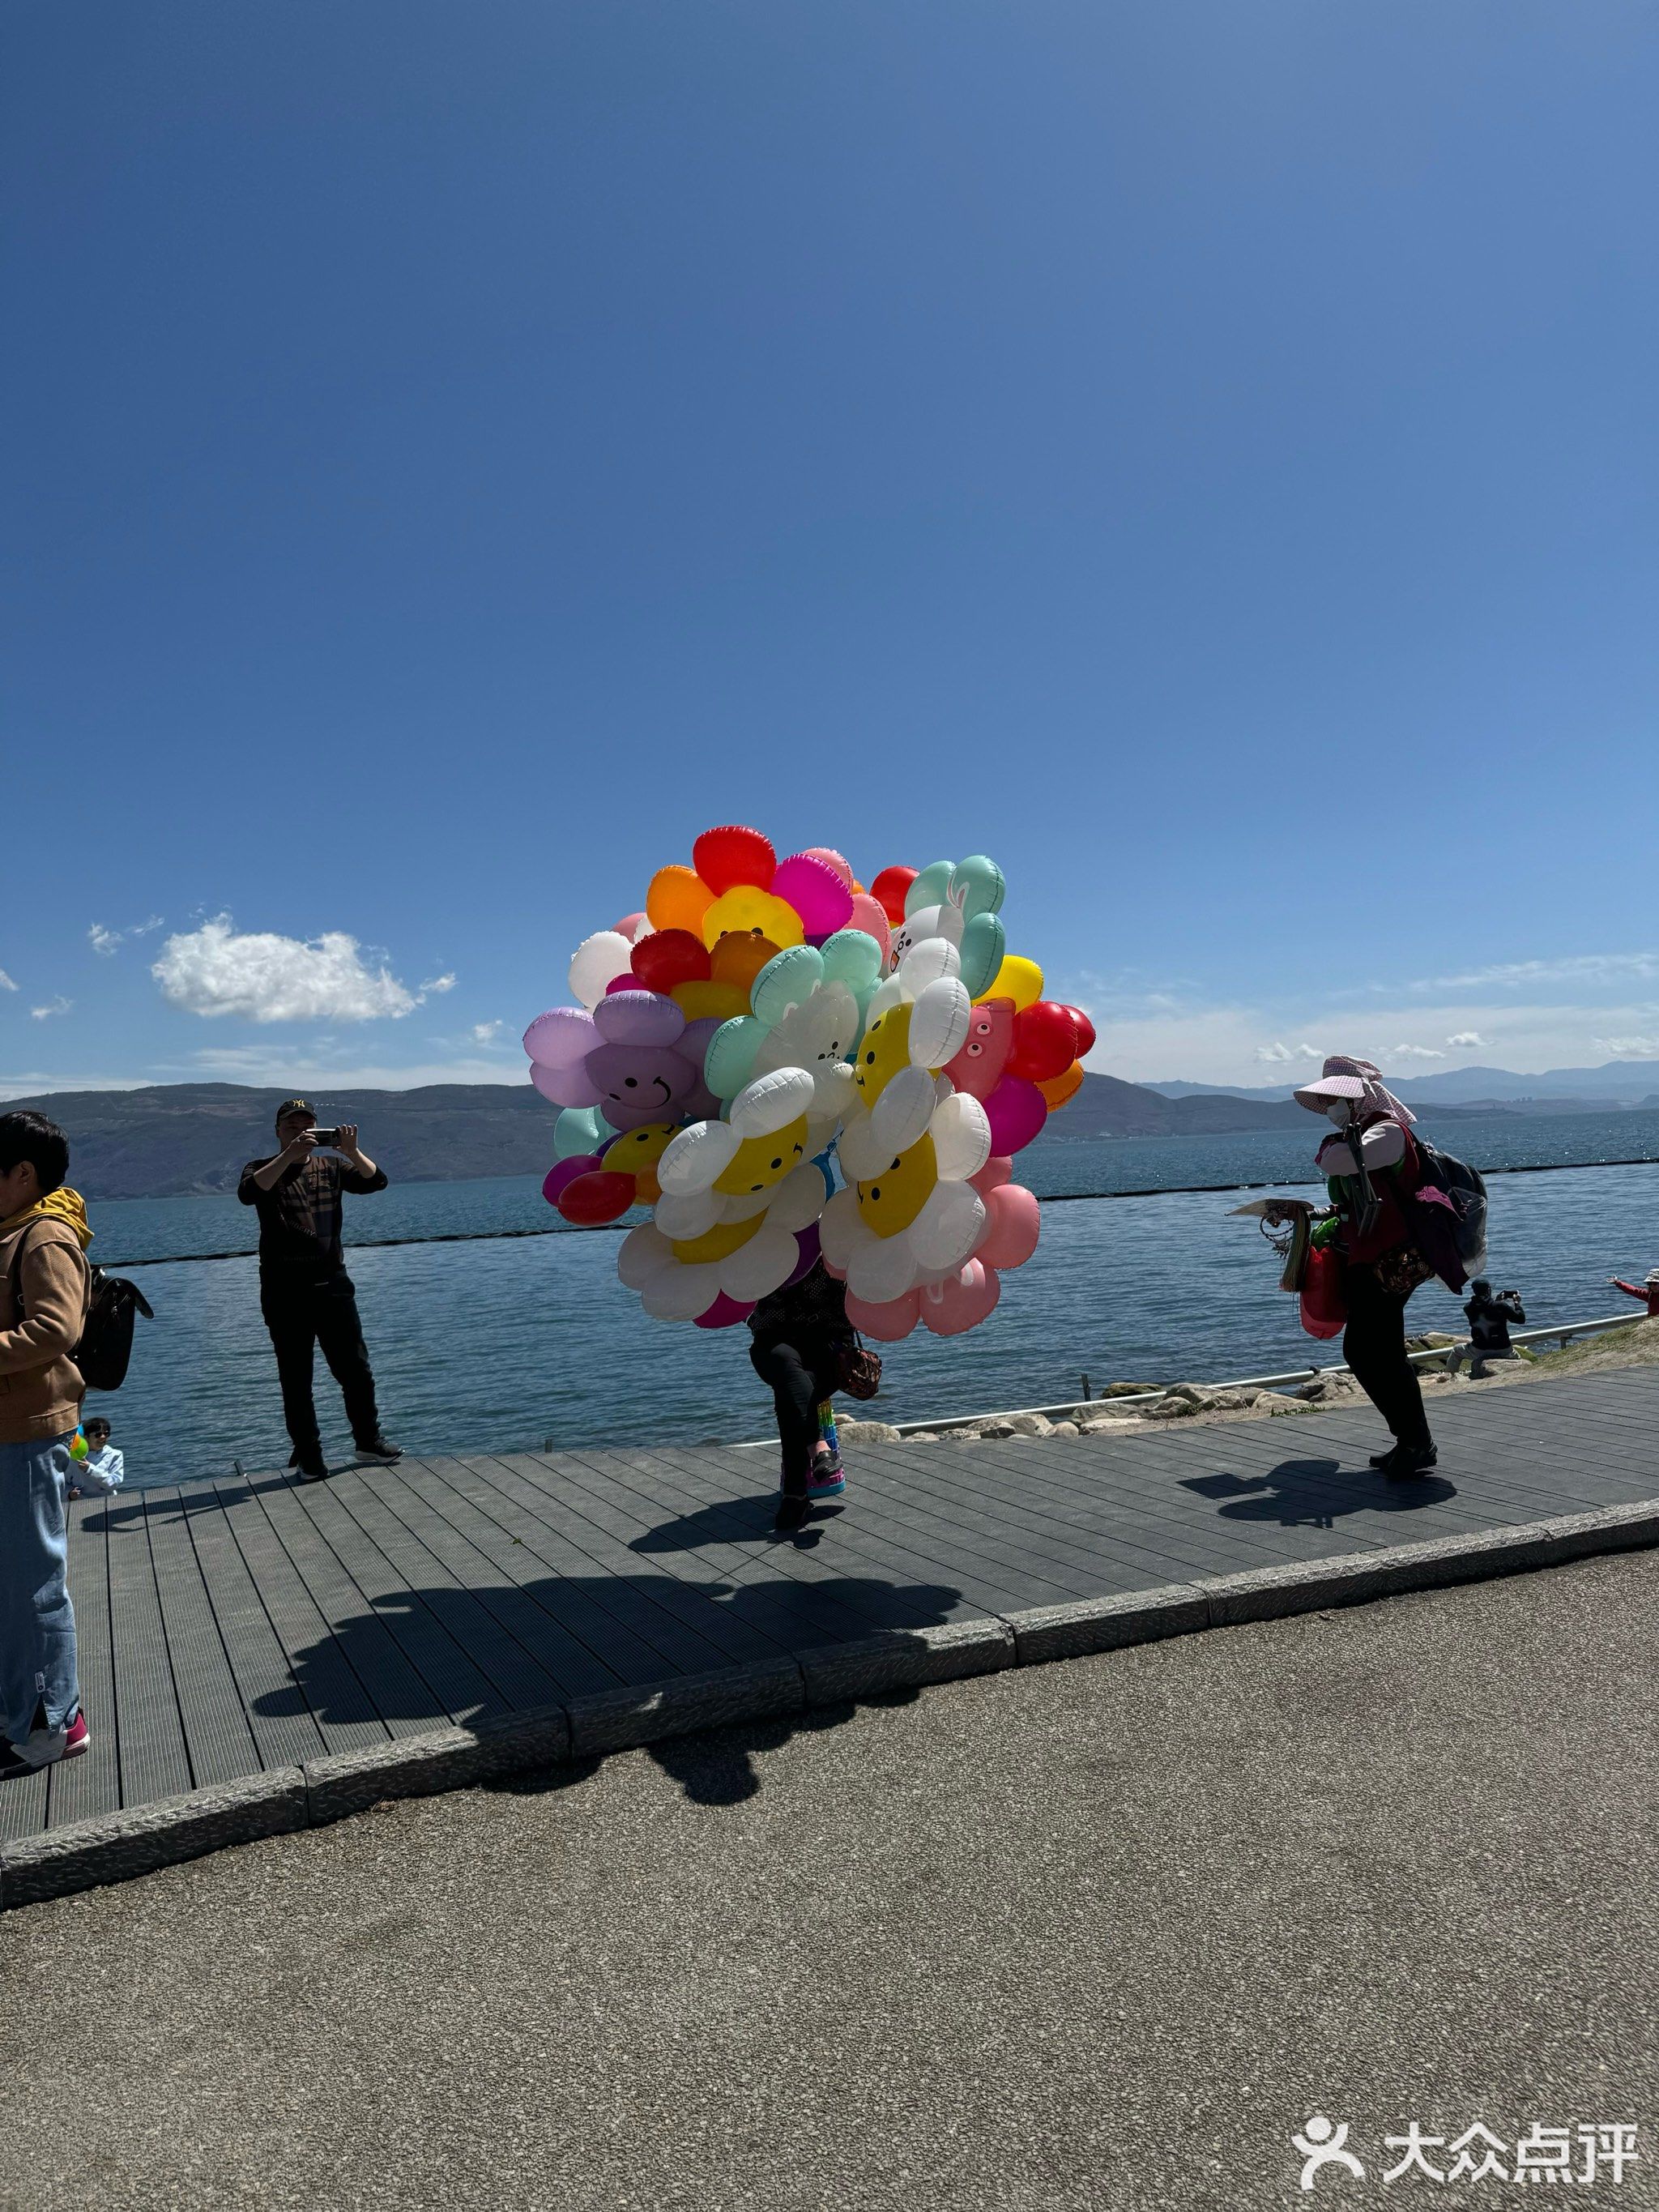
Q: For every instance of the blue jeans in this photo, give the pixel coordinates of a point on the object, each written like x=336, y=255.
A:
x=37, y=1621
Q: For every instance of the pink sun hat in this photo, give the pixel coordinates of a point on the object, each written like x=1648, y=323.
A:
x=1361, y=1080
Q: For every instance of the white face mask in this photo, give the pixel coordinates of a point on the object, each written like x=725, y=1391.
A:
x=1341, y=1111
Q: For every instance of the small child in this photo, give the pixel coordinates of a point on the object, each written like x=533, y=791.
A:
x=103, y=1468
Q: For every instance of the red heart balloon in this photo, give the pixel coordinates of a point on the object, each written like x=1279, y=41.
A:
x=730, y=855
x=594, y=1199
x=889, y=890
x=669, y=957
x=1045, y=1042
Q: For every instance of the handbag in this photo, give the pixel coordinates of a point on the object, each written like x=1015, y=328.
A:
x=859, y=1369
x=1324, y=1305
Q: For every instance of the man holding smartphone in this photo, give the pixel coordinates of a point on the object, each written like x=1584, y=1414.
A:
x=304, y=1293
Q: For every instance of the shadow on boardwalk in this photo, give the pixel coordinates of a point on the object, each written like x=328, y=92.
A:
x=1316, y=1493
x=458, y=1661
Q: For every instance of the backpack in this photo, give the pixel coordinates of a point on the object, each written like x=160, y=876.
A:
x=105, y=1346
x=1464, y=1190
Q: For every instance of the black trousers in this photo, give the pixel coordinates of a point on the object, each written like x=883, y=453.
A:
x=1374, y=1346
x=801, y=1376
x=300, y=1316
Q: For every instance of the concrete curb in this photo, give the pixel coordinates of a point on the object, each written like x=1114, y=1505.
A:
x=90, y=1853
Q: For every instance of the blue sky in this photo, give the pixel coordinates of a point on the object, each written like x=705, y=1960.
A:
x=1202, y=455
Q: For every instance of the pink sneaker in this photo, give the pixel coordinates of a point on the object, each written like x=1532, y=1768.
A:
x=77, y=1736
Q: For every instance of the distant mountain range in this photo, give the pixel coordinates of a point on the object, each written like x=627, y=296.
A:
x=179, y=1138
x=1560, y=1089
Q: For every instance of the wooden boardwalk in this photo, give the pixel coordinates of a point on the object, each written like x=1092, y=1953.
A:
x=232, y=1626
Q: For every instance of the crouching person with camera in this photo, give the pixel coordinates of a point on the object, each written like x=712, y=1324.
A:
x=45, y=1287
x=304, y=1293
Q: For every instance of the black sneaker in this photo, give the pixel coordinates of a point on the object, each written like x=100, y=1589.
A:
x=312, y=1467
x=1405, y=1462
x=382, y=1449
x=792, y=1510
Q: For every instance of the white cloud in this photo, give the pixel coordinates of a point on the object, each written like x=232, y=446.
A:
x=58, y=1005
x=1467, y=1037
x=1413, y=1052
x=487, y=1032
x=108, y=941
x=6, y=983
x=1575, y=968
x=434, y=984
x=263, y=977
x=1275, y=1055
x=1631, y=1047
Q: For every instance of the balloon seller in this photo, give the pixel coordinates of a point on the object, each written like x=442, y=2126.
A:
x=818, y=1087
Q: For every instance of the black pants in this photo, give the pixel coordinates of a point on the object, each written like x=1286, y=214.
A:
x=1374, y=1346
x=801, y=1376
x=301, y=1315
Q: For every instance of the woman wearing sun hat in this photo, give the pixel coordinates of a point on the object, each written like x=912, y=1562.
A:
x=1368, y=1164
x=1648, y=1291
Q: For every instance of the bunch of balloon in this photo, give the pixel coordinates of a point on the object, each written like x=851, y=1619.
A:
x=759, y=1017
x=706, y=1061
x=963, y=1061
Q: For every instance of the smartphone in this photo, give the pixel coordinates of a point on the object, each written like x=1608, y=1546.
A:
x=326, y=1136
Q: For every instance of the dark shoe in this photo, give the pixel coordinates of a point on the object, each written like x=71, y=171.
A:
x=380, y=1448
x=312, y=1467
x=792, y=1510
x=1406, y=1461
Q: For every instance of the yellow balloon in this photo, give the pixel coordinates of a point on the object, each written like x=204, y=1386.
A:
x=678, y=898
x=638, y=1149
x=885, y=1050
x=1017, y=979
x=759, y=1162
x=718, y=1242
x=746, y=912
x=891, y=1202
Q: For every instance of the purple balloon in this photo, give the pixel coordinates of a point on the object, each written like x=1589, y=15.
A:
x=560, y=1177
x=562, y=1037
x=1015, y=1110
x=806, y=1244
x=632, y=1016
x=566, y=1086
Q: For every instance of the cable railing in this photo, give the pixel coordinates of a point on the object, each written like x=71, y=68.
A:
x=1559, y=1332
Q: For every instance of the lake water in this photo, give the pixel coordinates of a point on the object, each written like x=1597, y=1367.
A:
x=501, y=1343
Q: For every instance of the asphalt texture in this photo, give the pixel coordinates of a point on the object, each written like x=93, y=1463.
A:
x=1088, y=1935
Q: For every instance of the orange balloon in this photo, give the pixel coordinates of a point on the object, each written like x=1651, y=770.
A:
x=736, y=962
x=678, y=898
x=1059, y=1088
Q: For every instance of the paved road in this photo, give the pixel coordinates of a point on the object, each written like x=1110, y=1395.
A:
x=1089, y=1936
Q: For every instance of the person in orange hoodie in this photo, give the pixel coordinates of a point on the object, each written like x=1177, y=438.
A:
x=44, y=1290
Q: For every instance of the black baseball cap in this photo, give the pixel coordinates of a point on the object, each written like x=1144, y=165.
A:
x=295, y=1106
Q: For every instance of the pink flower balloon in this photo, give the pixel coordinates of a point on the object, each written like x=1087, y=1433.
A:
x=817, y=894
x=963, y=1301
x=832, y=859
x=871, y=916
x=887, y=1322
x=995, y=1172
x=1014, y=1221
